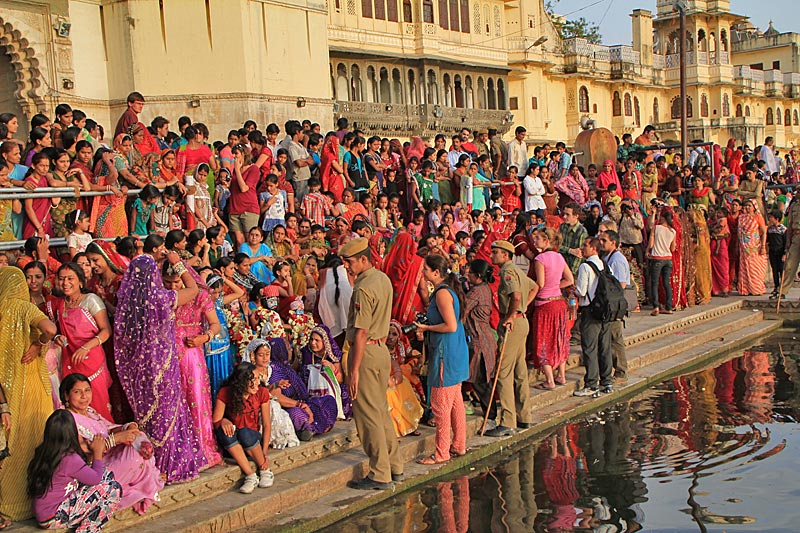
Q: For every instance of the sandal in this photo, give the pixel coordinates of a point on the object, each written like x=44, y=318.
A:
x=431, y=422
x=561, y=382
x=543, y=386
x=459, y=454
x=415, y=433
x=429, y=460
x=5, y=523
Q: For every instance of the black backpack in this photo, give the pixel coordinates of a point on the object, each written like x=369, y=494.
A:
x=609, y=303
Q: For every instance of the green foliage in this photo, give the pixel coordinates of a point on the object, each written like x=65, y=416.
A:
x=579, y=27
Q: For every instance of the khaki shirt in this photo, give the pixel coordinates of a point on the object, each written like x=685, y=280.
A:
x=794, y=216
x=370, y=305
x=513, y=280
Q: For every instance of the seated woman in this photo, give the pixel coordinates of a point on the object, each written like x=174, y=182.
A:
x=322, y=351
x=128, y=452
x=67, y=492
x=310, y=416
x=282, y=434
x=404, y=407
x=239, y=405
x=409, y=360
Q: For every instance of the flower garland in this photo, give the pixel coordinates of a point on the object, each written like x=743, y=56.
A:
x=240, y=332
x=300, y=327
x=270, y=325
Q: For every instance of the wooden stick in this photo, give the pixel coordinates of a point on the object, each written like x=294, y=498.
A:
x=780, y=292
x=494, y=385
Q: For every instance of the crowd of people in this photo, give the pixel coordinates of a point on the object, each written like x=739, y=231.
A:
x=253, y=293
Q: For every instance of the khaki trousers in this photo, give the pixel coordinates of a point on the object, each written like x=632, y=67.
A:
x=790, y=267
x=371, y=414
x=512, y=381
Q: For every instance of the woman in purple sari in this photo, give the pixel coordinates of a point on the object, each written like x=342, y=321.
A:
x=322, y=350
x=290, y=385
x=148, y=366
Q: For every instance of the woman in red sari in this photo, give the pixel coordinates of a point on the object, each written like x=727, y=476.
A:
x=330, y=170
x=752, y=235
x=606, y=177
x=720, y=263
x=733, y=241
x=350, y=208
x=511, y=189
x=404, y=268
x=83, y=327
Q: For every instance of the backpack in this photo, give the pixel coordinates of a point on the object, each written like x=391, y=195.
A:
x=609, y=303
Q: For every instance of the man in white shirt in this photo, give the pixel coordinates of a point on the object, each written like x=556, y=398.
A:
x=595, y=334
x=767, y=155
x=620, y=269
x=518, y=151
x=455, y=152
x=534, y=189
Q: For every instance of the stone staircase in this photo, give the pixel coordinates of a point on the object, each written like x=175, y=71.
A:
x=310, y=480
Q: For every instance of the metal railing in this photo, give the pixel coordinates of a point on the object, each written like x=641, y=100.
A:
x=20, y=193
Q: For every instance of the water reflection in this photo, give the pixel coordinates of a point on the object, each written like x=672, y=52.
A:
x=702, y=452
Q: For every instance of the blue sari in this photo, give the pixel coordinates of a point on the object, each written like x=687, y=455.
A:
x=258, y=268
x=219, y=353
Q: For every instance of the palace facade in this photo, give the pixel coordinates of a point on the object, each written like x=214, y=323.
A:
x=400, y=67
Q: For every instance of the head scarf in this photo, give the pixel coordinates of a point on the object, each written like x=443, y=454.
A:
x=375, y=251
x=12, y=285
x=299, y=277
x=403, y=348
x=575, y=188
x=279, y=353
x=116, y=262
x=605, y=178
x=404, y=268
x=251, y=349
x=416, y=148
x=331, y=147
x=332, y=351
x=719, y=160
x=119, y=139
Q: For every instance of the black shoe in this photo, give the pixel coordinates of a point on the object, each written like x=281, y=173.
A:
x=305, y=435
x=397, y=478
x=369, y=484
x=606, y=389
x=500, y=431
x=524, y=425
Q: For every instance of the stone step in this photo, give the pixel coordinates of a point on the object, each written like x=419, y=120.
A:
x=648, y=339
x=340, y=504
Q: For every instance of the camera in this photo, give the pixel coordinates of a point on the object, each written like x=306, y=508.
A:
x=420, y=318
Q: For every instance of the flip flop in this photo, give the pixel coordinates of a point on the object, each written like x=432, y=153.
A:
x=543, y=386
x=5, y=523
x=429, y=461
x=459, y=454
x=561, y=383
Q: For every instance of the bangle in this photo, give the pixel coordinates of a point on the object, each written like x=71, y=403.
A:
x=179, y=268
x=4, y=410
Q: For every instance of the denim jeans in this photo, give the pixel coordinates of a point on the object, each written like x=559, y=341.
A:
x=661, y=268
x=248, y=438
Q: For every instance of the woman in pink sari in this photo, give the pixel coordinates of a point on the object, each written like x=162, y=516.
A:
x=83, y=327
x=416, y=148
x=330, y=170
x=752, y=234
x=129, y=455
x=191, y=336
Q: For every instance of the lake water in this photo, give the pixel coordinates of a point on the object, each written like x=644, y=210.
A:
x=716, y=450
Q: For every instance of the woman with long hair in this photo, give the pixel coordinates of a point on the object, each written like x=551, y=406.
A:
x=479, y=330
x=220, y=350
x=404, y=268
x=202, y=210
x=449, y=359
x=61, y=175
x=549, y=326
x=752, y=233
x=335, y=291
x=66, y=491
x=148, y=366
x=39, y=139
x=129, y=455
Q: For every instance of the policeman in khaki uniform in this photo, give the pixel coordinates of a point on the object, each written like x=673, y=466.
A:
x=512, y=381
x=792, y=247
x=369, y=365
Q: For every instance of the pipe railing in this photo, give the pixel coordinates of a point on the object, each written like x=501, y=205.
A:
x=20, y=193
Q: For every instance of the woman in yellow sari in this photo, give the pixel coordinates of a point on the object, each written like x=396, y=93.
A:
x=108, y=212
x=404, y=405
x=702, y=256
x=24, y=332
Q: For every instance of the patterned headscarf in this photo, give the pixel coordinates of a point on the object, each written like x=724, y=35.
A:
x=332, y=351
x=279, y=352
x=252, y=348
x=116, y=262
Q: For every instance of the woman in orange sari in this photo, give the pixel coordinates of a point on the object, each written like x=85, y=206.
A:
x=404, y=268
x=752, y=233
x=108, y=212
x=330, y=170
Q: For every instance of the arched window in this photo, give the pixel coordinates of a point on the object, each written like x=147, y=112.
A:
x=427, y=11
x=723, y=40
x=628, y=105
x=501, y=94
x=636, y=112
x=469, y=94
x=447, y=89
x=583, y=100
x=616, y=105
x=407, y=11
x=726, y=105
x=355, y=84
x=701, y=40
x=739, y=112
x=397, y=87
x=385, y=90
x=703, y=105
x=747, y=110
x=372, y=85
x=411, y=87
x=481, y=93
x=770, y=116
x=433, y=88
x=491, y=94
x=675, y=108
x=778, y=116
x=459, y=90
x=795, y=118
x=342, y=85
x=787, y=120
x=655, y=110
x=453, y=15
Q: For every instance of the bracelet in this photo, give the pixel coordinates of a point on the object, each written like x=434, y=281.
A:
x=179, y=268
x=4, y=410
x=99, y=342
x=111, y=441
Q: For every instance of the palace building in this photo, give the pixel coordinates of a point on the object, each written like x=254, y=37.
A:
x=400, y=67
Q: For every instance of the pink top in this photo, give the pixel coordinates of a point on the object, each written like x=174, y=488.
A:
x=553, y=264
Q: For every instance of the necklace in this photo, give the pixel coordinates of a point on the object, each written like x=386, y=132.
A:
x=72, y=303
